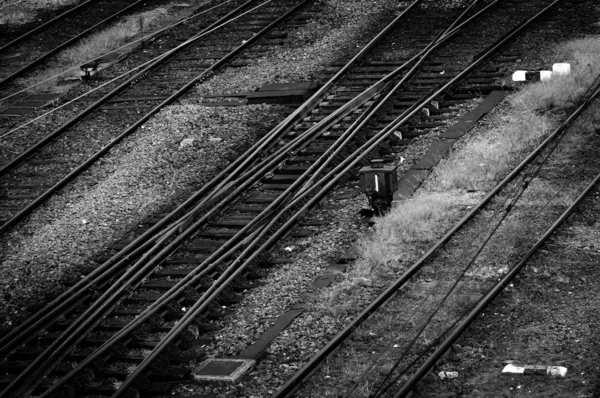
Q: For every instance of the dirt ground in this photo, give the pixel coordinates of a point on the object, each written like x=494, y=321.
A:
x=550, y=316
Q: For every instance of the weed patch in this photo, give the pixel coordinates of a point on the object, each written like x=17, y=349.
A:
x=483, y=161
x=462, y=178
x=20, y=12
x=95, y=46
x=563, y=91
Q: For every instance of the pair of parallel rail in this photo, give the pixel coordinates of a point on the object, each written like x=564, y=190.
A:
x=315, y=139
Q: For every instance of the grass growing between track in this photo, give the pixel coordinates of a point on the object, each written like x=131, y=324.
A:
x=94, y=46
x=456, y=184
x=20, y=12
x=462, y=178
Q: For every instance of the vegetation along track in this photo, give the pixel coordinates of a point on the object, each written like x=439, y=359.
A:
x=403, y=352
x=411, y=352
x=31, y=49
x=13, y=37
x=213, y=242
x=50, y=163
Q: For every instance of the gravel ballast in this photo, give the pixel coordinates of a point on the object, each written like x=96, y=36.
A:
x=132, y=183
x=71, y=242
x=142, y=175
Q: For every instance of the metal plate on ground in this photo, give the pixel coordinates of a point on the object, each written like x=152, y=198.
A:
x=408, y=184
x=470, y=119
x=223, y=370
x=434, y=154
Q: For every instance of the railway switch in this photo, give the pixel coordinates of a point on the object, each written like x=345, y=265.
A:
x=89, y=70
x=379, y=182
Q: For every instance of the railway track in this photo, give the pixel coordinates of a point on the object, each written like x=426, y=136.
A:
x=24, y=53
x=401, y=380
x=531, y=168
x=50, y=163
x=208, y=249
x=22, y=109
x=284, y=10
x=21, y=34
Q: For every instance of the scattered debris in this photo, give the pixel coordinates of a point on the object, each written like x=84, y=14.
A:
x=559, y=371
x=186, y=142
x=446, y=374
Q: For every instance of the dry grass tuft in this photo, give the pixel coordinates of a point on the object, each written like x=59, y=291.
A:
x=20, y=12
x=396, y=239
x=563, y=91
x=113, y=37
x=95, y=46
x=415, y=221
x=479, y=165
x=483, y=161
x=412, y=221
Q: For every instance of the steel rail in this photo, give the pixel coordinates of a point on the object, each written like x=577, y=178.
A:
x=230, y=273
x=17, y=336
x=271, y=138
x=354, y=129
x=242, y=162
x=187, y=281
x=67, y=43
x=198, y=273
x=190, y=278
x=346, y=164
x=150, y=36
x=362, y=98
x=80, y=292
x=106, y=270
x=46, y=24
x=216, y=288
x=29, y=152
x=292, y=384
x=140, y=369
x=170, y=216
x=132, y=244
x=106, y=303
x=497, y=289
x=187, y=319
x=352, y=160
x=73, y=297
x=467, y=319
x=189, y=313
x=258, y=35
x=336, y=116
x=493, y=293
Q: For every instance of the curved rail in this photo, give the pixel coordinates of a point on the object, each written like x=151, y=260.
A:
x=76, y=293
x=72, y=296
x=211, y=293
x=294, y=383
x=162, y=246
x=41, y=366
x=76, y=119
